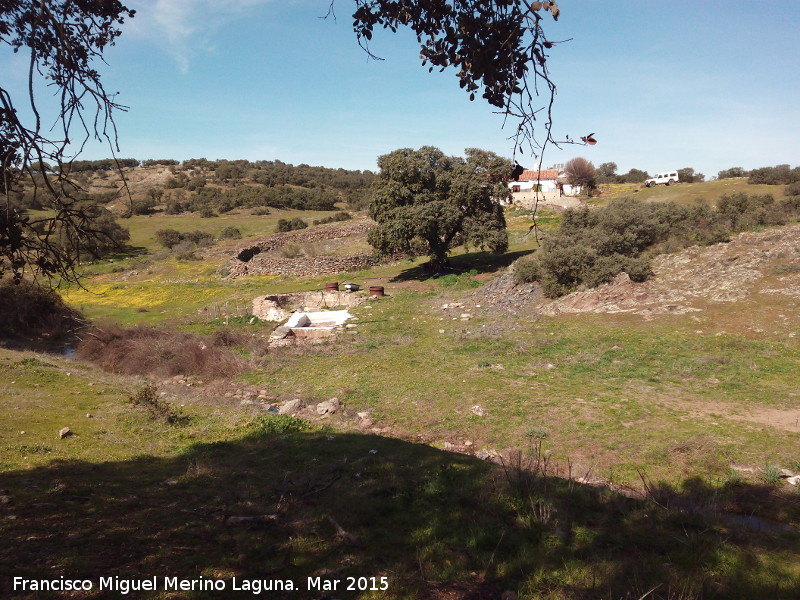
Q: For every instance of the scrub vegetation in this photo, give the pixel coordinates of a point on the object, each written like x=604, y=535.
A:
x=591, y=247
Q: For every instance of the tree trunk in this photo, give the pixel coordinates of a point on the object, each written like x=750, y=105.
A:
x=437, y=264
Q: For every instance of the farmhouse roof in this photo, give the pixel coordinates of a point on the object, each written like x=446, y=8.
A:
x=546, y=174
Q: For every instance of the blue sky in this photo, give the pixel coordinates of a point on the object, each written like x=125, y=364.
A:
x=663, y=85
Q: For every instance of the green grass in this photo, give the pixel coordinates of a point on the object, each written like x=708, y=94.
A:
x=686, y=193
x=654, y=406
x=607, y=394
x=133, y=496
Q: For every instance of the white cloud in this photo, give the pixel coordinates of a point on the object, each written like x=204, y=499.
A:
x=186, y=27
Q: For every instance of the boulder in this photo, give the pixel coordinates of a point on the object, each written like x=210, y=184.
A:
x=328, y=407
x=290, y=407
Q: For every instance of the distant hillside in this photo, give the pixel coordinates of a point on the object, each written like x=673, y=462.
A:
x=211, y=187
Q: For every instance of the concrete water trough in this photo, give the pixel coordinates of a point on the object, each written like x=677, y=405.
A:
x=312, y=324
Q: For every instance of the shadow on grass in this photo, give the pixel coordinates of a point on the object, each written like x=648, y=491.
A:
x=482, y=262
x=128, y=251
x=435, y=524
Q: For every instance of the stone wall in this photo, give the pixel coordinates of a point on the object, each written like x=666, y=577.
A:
x=304, y=266
x=261, y=258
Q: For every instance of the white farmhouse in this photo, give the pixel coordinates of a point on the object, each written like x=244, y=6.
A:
x=541, y=185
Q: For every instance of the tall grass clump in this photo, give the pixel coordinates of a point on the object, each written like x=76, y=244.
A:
x=159, y=410
x=592, y=246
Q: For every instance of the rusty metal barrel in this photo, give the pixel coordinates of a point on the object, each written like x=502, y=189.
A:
x=332, y=287
x=376, y=291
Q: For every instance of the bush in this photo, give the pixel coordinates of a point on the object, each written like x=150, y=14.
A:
x=181, y=242
x=290, y=251
x=175, y=207
x=280, y=424
x=231, y=233
x=527, y=270
x=339, y=216
x=294, y=224
x=732, y=172
x=591, y=247
x=168, y=238
x=30, y=311
x=793, y=189
x=147, y=397
x=185, y=251
x=778, y=175
x=142, y=206
x=200, y=238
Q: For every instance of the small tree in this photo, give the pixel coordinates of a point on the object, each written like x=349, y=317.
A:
x=581, y=172
x=607, y=173
x=425, y=203
x=687, y=175
x=168, y=238
x=100, y=236
x=732, y=172
x=635, y=176
x=231, y=233
x=59, y=41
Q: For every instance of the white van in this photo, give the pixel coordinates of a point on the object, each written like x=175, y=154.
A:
x=665, y=178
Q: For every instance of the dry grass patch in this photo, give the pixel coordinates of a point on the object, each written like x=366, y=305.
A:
x=158, y=352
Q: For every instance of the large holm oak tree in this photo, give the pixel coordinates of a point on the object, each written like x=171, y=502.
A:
x=425, y=203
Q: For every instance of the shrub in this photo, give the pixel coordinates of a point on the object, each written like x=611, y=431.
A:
x=169, y=238
x=175, y=207
x=732, y=172
x=290, y=251
x=206, y=212
x=339, y=216
x=201, y=238
x=142, y=206
x=182, y=242
x=527, y=270
x=261, y=211
x=147, y=397
x=280, y=424
x=231, y=233
x=29, y=311
x=285, y=225
x=778, y=175
x=591, y=247
x=187, y=255
x=793, y=189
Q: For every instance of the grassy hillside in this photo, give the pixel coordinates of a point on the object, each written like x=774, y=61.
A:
x=684, y=193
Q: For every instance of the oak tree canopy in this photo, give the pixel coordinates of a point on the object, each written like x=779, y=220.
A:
x=425, y=203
